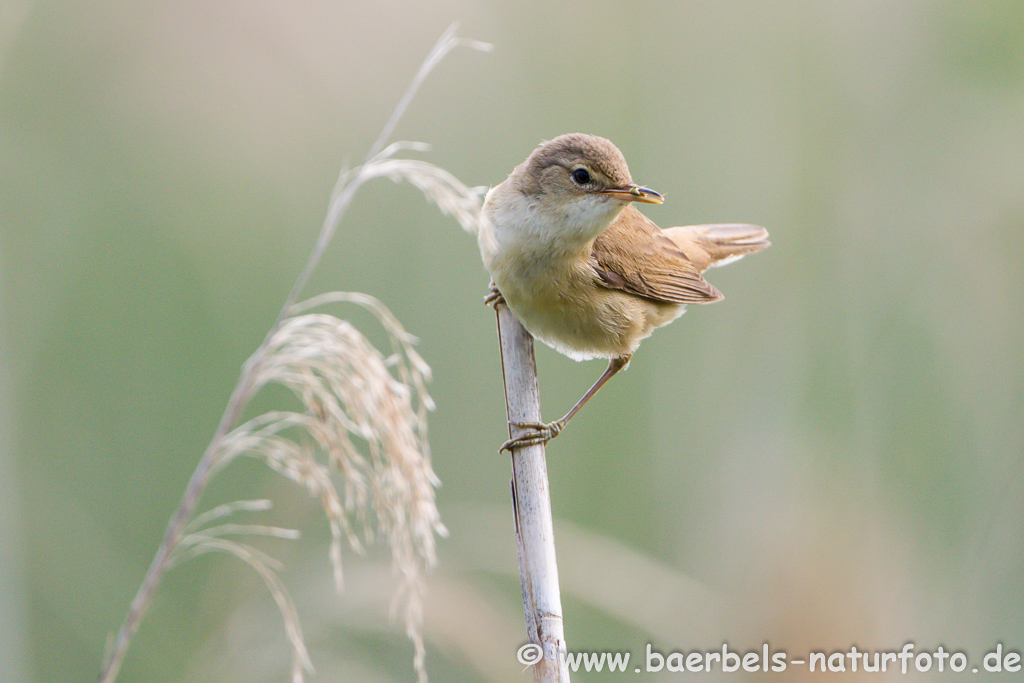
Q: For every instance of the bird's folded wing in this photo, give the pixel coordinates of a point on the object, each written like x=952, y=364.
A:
x=634, y=255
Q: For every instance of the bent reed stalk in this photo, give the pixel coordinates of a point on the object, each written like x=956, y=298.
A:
x=347, y=388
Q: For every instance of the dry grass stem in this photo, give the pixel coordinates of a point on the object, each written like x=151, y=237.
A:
x=359, y=442
x=269, y=570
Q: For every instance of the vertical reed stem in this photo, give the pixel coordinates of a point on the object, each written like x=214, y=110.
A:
x=531, y=500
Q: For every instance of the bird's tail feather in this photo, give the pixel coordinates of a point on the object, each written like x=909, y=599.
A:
x=720, y=243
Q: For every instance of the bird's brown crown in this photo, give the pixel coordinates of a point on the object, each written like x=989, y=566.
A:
x=600, y=157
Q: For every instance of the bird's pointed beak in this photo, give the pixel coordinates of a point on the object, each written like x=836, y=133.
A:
x=635, y=193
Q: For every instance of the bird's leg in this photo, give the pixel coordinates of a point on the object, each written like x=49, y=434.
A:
x=541, y=432
x=493, y=297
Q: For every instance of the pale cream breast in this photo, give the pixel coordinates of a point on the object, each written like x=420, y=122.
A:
x=561, y=301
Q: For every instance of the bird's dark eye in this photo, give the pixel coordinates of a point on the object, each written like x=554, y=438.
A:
x=581, y=176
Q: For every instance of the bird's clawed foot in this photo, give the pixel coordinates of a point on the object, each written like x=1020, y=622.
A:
x=494, y=297
x=537, y=432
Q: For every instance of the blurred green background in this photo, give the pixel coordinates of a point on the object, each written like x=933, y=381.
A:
x=831, y=456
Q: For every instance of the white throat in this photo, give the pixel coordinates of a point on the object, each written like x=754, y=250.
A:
x=526, y=223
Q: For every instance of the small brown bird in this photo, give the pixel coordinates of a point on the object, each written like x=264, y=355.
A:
x=582, y=269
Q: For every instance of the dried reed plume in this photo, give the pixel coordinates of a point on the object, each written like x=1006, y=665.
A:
x=364, y=411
